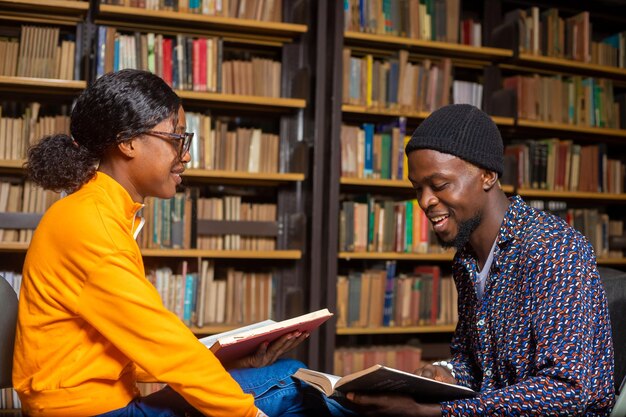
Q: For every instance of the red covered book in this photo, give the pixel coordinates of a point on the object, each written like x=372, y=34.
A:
x=241, y=342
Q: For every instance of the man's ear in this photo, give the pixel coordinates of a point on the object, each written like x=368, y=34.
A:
x=126, y=147
x=489, y=179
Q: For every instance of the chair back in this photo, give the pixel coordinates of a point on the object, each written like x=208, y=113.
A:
x=8, y=320
x=615, y=286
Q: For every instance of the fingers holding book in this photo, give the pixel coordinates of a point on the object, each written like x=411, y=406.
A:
x=268, y=353
x=436, y=372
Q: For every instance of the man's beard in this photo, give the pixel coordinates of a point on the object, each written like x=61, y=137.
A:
x=466, y=229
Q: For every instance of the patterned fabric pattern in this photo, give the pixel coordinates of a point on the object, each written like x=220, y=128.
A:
x=539, y=342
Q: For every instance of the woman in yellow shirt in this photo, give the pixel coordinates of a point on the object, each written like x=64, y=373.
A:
x=90, y=325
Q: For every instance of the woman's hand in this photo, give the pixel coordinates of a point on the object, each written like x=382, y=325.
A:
x=267, y=353
x=436, y=372
x=392, y=405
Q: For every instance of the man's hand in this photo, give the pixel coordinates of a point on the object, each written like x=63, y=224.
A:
x=267, y=353
x=392, y=405
x=438, y=373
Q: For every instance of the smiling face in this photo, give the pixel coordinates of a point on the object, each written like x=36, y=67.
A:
x=157, y=167
x=451, y=193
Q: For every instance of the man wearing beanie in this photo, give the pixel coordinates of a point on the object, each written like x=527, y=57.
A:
x=533, y=337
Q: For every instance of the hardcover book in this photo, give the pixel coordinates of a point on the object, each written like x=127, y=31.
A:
x=379, y=379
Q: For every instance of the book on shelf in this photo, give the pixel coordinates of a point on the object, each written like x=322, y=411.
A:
x=379, y=379
x=263, y=10
x=246, y=340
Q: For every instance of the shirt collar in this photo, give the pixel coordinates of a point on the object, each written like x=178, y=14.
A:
x=119, y=197
x=510, y=230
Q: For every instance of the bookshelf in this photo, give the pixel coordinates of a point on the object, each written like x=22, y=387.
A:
x=290, y=117
x=465, y=59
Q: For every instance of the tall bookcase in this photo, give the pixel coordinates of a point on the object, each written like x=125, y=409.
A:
x=471, y=63
x=292, y=117
x=308, y=188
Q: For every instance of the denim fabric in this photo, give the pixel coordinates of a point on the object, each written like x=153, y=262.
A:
x=275, y=392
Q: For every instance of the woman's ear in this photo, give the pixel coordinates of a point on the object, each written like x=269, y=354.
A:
x=489, y=179
x=127, y=148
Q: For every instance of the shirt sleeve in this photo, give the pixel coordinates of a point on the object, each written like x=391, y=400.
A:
x=568, y=312
x=124, y=307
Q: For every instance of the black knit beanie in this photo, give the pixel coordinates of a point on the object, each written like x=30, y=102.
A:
x=463, y=131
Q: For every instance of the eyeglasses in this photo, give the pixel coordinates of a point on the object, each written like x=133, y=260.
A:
x=183, y=140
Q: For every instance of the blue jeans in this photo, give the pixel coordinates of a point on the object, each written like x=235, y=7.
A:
x=274, y=390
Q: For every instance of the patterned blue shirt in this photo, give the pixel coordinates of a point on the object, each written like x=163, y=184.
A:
x=539, y=341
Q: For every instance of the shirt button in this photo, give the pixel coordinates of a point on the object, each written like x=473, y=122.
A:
x=481, y=322
x=487, y=372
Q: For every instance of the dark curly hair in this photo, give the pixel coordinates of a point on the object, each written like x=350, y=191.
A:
x=116, y=107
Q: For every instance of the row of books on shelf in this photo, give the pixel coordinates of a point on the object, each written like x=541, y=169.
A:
x=192, y=63
x=546, y=33
x=21, y=125
x=384, y=298
x=374, y=151
x=218, y=144
x=41, y=52
x=405, y=358
x=575, y=100
x=399, y=84
x=605, y=234
x=233, y=208
x=263, y=10
x=552, y=164
x=221, y=144
x=437, y=20
x=169, y=222
x=9, y=399
x=215, y=295
x=377, y=224
x=396, y=83
x=23, y=197
x=562, y=165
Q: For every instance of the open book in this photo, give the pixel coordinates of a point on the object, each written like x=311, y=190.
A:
x=240, y=342
x=381, y=379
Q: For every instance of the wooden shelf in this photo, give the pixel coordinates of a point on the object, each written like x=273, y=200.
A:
x=189, y=253
x=66, y=6
x=612, y=261
x=400, y=256
x=13, y=247
x=569, y=66
x=442, y=328
x=11, y=165
x=374, y=182
x=41, y=85
x=222, y=254
x=404, y=184
x=445, y=48
x=44, y=11
x=577, y=195
x=243, y=178
x=603, y=131
x=350, y=108
x=256, y=102
x=363, y=110
x=259, y=32
x=205, y=175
